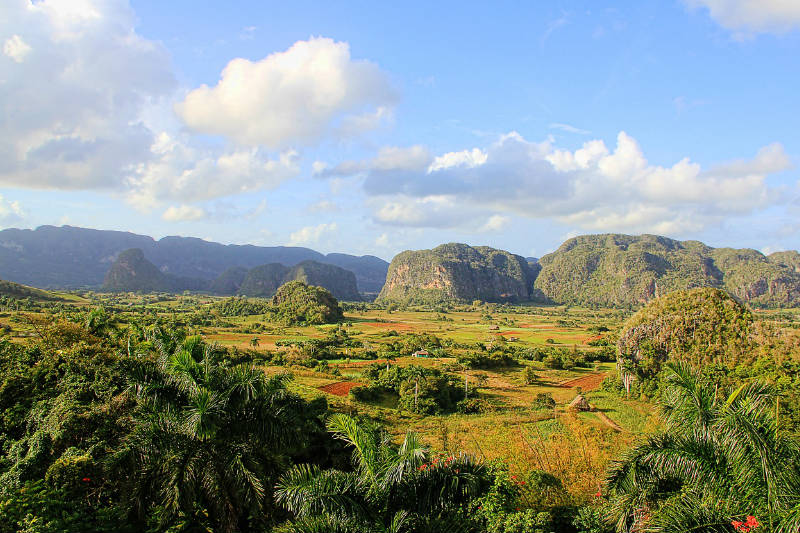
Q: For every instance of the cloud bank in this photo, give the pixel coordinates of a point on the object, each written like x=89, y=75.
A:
x=776, y=16
x=592, y=188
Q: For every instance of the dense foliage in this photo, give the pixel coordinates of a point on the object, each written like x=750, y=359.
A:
x=298, y=303
x=719, y=458
x=390, y=488
x=614, y=270
x=105, y=430
x=700, y=326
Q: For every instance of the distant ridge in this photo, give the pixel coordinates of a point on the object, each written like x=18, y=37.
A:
x=614, y=269
x=68, y=257
x=133, y=272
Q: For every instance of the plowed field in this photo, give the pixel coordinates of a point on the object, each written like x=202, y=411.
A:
x=340, y=388
x=587, y=383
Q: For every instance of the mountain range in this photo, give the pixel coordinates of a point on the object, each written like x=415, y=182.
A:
x=596, y=270
x=68, y=257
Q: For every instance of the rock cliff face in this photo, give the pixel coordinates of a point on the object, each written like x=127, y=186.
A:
x=617, y=269
x=131, y=271
x=458, y=272
x=264, y=280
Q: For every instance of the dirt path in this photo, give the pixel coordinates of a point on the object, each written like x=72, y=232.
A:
x=340, y=388
x=587, y=383
x=607, y=421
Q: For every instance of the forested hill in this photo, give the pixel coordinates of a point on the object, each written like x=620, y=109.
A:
x=457, y=272
x=70, y=257
x=615, y=269
x=132, y=272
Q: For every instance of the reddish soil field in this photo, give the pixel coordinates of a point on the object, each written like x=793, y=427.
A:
x=340, y=388
x=595, y=338
x=388, y=325
x=587, y=383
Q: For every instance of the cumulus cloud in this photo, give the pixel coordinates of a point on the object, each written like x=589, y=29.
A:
x=312, y=234
x=75, y=81
x=496, y=223
x=593, y=187
x=179, y=171
x=87, y=104
x=16, y=48
x=291, y=98
x=778, y=16
x=10, y=212
x=183, y=213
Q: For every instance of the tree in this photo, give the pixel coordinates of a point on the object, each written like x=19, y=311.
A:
x=254, y=342
x=209, y=439
x=392, y=488
x=720, y=458
x=416, y=373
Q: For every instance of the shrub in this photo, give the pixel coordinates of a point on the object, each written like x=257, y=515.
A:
x=544, y=400
x=529, y=375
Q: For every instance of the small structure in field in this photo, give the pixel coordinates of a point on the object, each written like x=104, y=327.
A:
x=513, y=339
x=421, y=353
x=494, y=328
x=579, y=404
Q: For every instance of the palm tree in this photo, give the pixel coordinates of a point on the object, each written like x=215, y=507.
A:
x=719, y=458
x=209, y=440
x=391, y=489
x=254, y=342
x=417, y=374
x=99, y=323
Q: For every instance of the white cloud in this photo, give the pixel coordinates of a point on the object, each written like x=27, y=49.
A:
x=592, y=187
x=73, y=96
x=183, y=213
x=433, y=211
x=10, y=212
x=382, y=240
x=496, y=223
x=312, y=234
x=291, y=98
x=569, y=129
x=178, y=171
x=778, y=16
x=16, y=48
x=466, y=158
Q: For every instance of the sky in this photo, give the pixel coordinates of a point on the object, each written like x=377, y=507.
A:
x=375, y=127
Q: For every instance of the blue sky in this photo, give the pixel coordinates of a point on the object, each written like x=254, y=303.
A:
x=373, y=127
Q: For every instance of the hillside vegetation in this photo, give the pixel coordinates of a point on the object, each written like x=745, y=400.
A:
x=457, y=272
x=614, y=270
x=698, y=327
x=10, y=289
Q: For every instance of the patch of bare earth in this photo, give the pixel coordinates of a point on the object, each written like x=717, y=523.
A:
x=587, y=383
x=340, y=388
